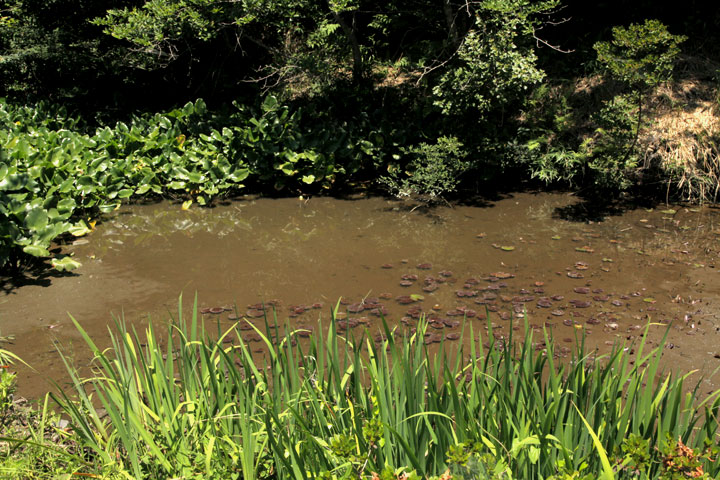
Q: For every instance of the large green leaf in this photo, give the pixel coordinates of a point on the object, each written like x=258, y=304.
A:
x=36, y=251
x=36, y=219
x=65, y=264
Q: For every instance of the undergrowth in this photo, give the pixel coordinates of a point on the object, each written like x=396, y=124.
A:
x=201, y=402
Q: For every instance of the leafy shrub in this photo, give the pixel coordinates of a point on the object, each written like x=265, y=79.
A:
x=495, y=63
x=434, y=170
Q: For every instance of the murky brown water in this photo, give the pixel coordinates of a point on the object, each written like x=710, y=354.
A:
x=608, y=277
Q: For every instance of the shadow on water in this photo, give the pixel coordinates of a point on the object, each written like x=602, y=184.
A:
x=593, y=208
x=40, y=274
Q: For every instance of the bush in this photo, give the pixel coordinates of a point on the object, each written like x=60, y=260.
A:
x=434, y=170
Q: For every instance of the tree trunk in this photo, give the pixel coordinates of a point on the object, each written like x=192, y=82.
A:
x=450, y=21
x=357, y=71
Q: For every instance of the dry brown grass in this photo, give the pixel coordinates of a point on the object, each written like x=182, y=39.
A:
x=684, y=129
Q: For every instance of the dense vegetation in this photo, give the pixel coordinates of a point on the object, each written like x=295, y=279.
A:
x=421, y=99
x=108, y=101
x=197, y=403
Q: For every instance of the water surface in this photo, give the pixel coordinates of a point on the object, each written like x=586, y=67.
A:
x=517, y=255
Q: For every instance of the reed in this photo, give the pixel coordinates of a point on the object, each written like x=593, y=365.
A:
x=187, y=404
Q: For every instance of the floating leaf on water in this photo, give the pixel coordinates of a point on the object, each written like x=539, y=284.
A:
x=65, y=264
x=80, y=229
x=501, y=275
x=694, y=210
x=643, y=220
x=186, y=204
x=556, y=237
x=584, y=249
x=424, y=266
x=495, y=245
x=684, y=227
x=698, y=265
x=604, y=269
x=507, y=248
x=480, y=235
x=669, y=211
x=417, y=297
x=649, y=300
x=607, y=260
x=355, y=308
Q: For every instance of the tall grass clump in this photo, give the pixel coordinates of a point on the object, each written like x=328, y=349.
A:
x=202, y=403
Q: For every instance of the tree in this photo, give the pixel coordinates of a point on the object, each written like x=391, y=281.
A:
x=642, y=57
x=495, y=63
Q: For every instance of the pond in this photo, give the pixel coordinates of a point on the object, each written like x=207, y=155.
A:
x=533, y=254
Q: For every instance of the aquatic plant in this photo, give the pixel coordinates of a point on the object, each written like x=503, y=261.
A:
x=57, y=177
x=190, y=404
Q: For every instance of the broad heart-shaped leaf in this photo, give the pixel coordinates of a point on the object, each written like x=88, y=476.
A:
x=270, y=103
x=239, y=174
x=36, y=219
x=36, y=251
x=108, y=207
x=65, y=264
x=79, y=229
x=16, y=181
x=125, y=193
x=308, y=179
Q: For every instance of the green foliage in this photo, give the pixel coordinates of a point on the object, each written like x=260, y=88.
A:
x=434, y=170
x=495, y=65
x=55, y=178
x=559, y=145
x=640, y=55
x=196, y=403
x=602, y=156
x=49, y=49
x=7, y=389
x=610, y=153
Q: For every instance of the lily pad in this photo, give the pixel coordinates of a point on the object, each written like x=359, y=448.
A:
x=507, y=248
